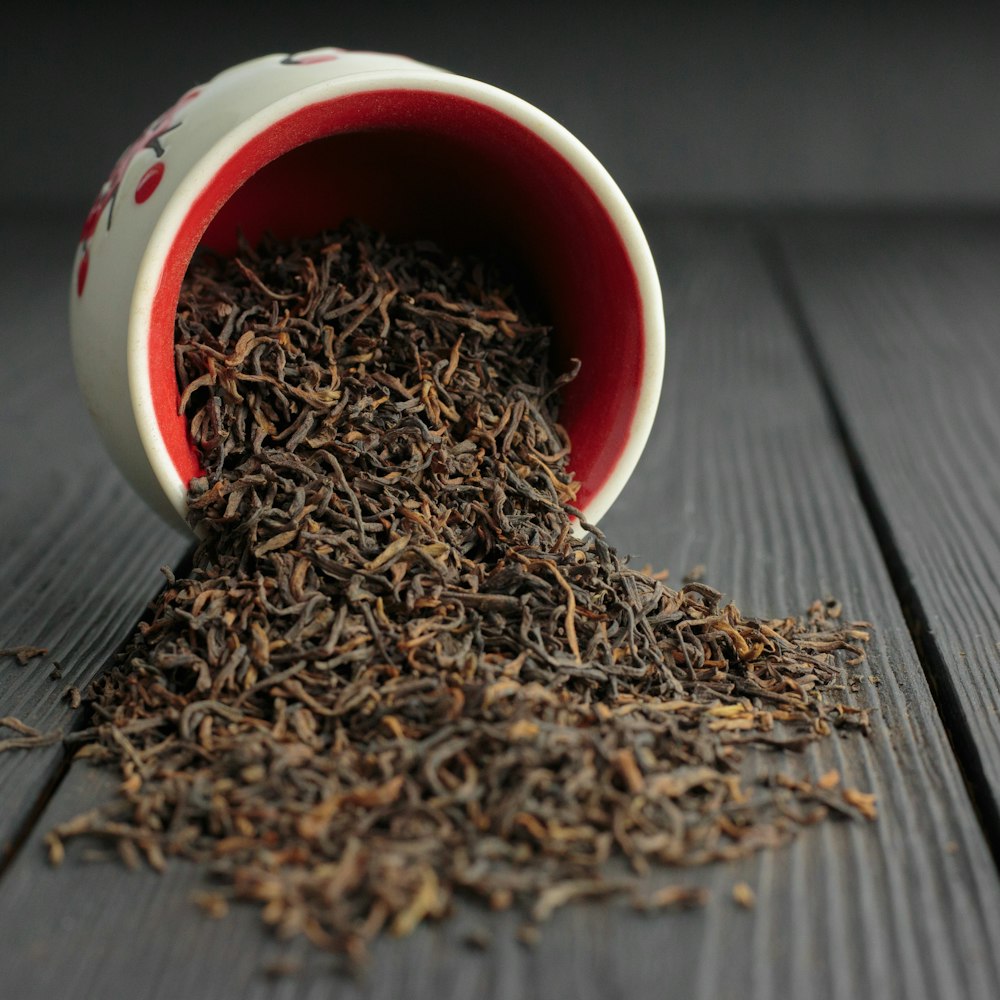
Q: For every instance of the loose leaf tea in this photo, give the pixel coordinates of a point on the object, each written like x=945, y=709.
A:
x=23, y=654
x=397, y=670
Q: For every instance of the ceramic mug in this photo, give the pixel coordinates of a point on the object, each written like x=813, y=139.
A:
x=293, y=144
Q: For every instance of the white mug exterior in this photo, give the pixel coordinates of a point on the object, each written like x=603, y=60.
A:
x=131, y=228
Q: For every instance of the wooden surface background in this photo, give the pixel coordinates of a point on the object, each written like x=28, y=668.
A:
x=829, y=425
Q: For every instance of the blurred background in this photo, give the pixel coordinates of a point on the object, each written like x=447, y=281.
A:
x=707, y=104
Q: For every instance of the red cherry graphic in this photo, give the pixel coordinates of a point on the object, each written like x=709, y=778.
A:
x=90, y=223
x=81, y=272
x=151, y=139
x=149, y=182
x=309, y=58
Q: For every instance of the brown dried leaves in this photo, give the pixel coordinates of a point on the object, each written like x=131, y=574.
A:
x=395, y=673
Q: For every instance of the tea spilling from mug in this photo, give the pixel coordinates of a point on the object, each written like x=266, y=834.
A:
x=395, y=672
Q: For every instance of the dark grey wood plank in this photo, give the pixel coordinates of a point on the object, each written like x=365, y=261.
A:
x=745, y=475
x=905, y=318
x=79, y=552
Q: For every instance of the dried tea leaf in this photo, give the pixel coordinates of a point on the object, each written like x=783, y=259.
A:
x=24, y=654
x=744, y=896
x=395, y=672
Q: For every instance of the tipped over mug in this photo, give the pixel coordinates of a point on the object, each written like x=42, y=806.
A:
x=293, y=144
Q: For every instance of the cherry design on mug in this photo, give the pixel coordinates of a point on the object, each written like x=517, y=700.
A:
x=309, y=58
x=151, y=138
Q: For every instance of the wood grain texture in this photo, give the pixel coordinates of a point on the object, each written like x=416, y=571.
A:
x=905, y=318
x=744, y=475
x=79, y=552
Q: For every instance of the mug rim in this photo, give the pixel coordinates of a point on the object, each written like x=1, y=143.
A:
x=160, y=244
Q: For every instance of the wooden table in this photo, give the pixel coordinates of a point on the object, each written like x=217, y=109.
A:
x=829, y=425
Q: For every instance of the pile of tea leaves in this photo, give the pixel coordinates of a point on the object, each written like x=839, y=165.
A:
x=396, y=672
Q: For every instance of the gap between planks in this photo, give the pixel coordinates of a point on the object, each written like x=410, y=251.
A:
x=932, y=662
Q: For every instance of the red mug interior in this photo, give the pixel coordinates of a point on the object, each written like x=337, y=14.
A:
x=440, y=166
